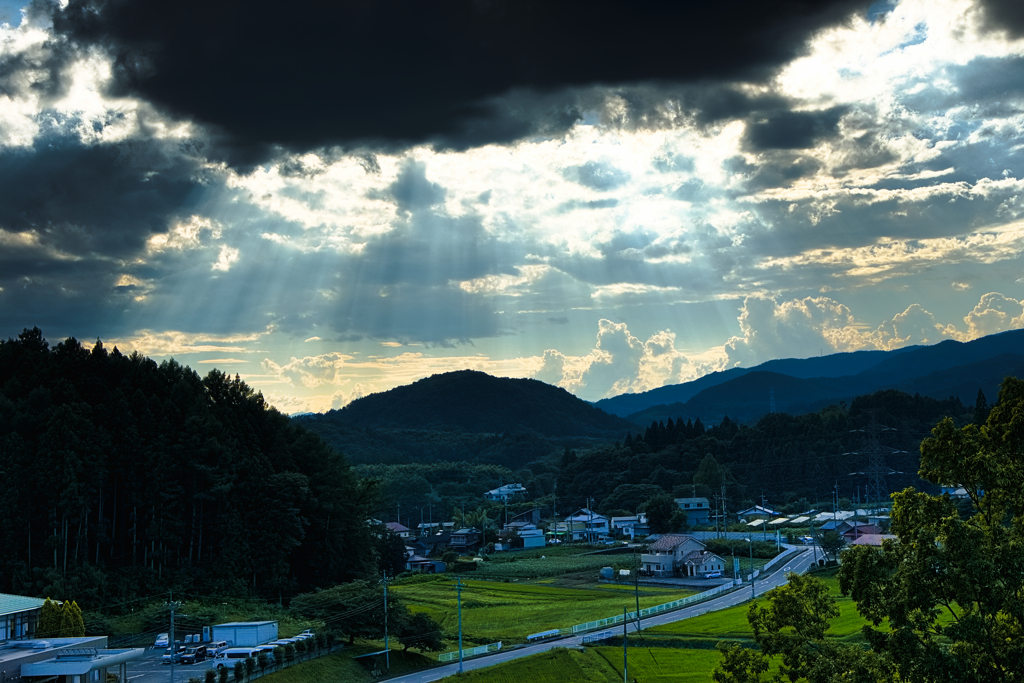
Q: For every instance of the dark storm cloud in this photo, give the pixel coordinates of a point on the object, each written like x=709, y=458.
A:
x=308, y=75
x=793, y=129
x=100, y=200
x=1004, y=16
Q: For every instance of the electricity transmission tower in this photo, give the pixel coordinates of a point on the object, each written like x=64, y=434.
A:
x=876, y=471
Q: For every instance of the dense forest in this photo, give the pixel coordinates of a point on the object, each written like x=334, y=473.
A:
x=787, y=458
x=121, y=477
x=793, y=460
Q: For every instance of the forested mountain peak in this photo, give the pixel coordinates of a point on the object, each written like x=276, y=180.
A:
x=475, y=402
x=120, y=477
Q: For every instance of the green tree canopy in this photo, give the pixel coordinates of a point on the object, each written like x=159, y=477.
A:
x=663, y=514
x=952, y=585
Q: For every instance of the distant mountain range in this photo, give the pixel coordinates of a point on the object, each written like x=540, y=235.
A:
x=949, y=368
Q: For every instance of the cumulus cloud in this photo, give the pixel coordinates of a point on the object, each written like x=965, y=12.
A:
x=792, y=329
x=913, y=326
x=994, y=313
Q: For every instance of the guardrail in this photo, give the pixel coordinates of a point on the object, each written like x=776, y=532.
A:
x=595, y=637
x=472, y=652
x=778, y=558
x=650, y=611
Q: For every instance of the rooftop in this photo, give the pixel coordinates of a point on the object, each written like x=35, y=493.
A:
x=11, y=604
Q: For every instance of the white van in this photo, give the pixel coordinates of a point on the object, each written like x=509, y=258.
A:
x=227, y=658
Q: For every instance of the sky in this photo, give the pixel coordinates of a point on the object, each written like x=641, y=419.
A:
x=334, y=199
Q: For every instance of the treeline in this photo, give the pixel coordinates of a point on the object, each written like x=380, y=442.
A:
x=120, y=477
x=794, y=459
x=433, y=492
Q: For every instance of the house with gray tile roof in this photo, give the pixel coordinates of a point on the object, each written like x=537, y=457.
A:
x=680, y=555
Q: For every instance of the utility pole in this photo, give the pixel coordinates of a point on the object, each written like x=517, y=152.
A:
x=764, y=527
x=725, y=515
x=636, y=587
x=458, y=594
x=174, y=647
x=625, y=652
x=753, y=593
x=387, y=650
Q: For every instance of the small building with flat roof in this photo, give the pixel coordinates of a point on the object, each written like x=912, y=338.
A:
x=82, y=665
x=246, y=633
x=16, y=654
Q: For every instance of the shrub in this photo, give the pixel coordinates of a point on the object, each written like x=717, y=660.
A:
x=194, y=679
x=262, y=660
x=239, y=671
x=250, y=665
x=279, y=655
x=211, y=676
x=222, y=675
x=289, y=652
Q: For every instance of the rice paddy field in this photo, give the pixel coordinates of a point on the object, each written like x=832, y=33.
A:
x=600, y=665
x=509, y=611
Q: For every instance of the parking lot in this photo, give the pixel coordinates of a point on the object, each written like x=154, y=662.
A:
x=149, y=669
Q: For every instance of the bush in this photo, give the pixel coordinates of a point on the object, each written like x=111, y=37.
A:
x=279, y=654
x=262, y=660
x=250, y=665
x=239, y=671
x=194, y=679
x=222, y=675
x=211, y=676
x=289, y=652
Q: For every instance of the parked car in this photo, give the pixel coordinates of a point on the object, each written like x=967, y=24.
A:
x=162, y=641
x=713, y=575
x=269, y=649
x=227, y=658
x=172, y=655
x=194, y=654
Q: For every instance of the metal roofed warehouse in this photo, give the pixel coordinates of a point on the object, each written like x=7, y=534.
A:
x=246, y=633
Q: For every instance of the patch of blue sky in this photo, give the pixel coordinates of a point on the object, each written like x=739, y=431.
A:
x=10, y=12
x=879, y=9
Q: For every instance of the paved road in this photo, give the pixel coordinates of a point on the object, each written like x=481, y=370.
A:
x=798, y=563
x=150, y=669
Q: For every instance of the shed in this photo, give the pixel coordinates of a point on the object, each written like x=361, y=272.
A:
x=246, y=633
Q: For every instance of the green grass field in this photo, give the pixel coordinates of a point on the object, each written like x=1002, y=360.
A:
x=493, y=611
x=732, y=623
x=600, y=665
x=341, y=666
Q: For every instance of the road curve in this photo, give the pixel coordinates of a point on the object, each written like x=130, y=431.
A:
x=798, y=563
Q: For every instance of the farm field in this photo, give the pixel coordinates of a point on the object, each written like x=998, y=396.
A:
x=493, y=610
x=341, y=666
x=732, y=623
x=600, y=665
x=541, y=565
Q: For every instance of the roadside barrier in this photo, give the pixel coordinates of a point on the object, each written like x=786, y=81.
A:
x=651, y=611
x=472, y=652
x=596, y=637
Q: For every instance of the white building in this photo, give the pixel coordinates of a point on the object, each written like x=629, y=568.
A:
x=506, y=492
x=587, y=525
x=679, y=555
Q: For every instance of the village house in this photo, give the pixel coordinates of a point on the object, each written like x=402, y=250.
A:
x=679, y=555
x=698, y=510
x=465, y=540
x=506, y=492
x=587, y=525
